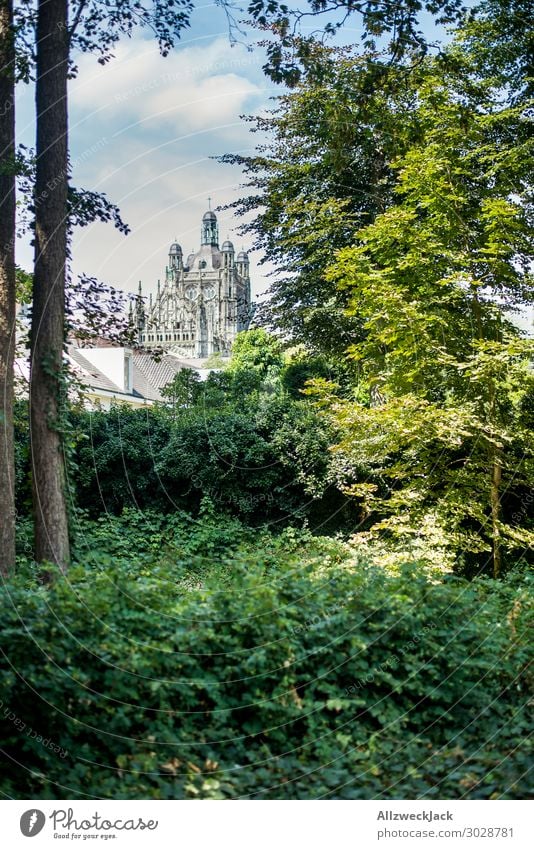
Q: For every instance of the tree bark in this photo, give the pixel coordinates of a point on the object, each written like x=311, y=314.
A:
x=495, y=470
x=7, y=285
x=495, y=499
x=48, y=312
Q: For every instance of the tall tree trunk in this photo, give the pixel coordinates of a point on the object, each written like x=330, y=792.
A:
x=495, y=456
x=495, y=470
x=7, y=285
x=48, y=314
x=495, y=499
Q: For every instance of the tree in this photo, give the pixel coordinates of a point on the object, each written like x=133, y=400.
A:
x=95, y=26
x=290, y=53
x=47, y=389
x=7, y=284
x=435, y=278
x=256, y=352
x=326, y=169
x=183, y=390
x=324, y=172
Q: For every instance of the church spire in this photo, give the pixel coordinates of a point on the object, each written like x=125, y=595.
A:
x=210, y=229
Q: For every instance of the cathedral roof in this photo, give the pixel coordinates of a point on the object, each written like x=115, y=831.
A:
x=175, y=248
x=208, y=254
x=227, y=246
x=242, y=256
x=209, y=216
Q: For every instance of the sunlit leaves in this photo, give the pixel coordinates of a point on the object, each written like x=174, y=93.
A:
x=433, y=279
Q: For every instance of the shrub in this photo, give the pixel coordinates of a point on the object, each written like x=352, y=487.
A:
x=265, y=459
x=216, y=665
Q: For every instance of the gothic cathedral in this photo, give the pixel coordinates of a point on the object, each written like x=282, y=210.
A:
x=203, y=302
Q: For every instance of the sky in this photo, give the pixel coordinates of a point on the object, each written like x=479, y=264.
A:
x=143, y=130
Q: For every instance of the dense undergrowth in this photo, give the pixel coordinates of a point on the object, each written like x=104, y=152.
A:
x=231, y=628
x=185, y=658
x=280, y=580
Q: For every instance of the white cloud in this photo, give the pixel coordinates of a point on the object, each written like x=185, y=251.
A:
x=194, y=88
x=142, y=130
x=160, y=204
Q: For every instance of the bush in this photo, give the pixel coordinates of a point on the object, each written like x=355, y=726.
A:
x=264, y=459
x=213, y=664
x=116, y=455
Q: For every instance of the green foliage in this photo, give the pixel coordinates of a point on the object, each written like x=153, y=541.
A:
x=256, y=352
x=238, y=438
x=434, y=280
x=299, y=367
x=115, y=458
x=22, y=455
x=24, y=283
x=325, y=170
x=183, y=390
x=183, y=659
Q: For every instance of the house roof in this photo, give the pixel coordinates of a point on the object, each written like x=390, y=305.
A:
x=150, y=375
x=155, y=373
x=90, y=373
x=142, y=385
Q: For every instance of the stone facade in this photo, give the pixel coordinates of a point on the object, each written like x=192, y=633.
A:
x=203, y=303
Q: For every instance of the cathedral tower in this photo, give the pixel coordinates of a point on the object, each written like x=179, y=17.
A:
x=203, y=303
